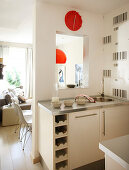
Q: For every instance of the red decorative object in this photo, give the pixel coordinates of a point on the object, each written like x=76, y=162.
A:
x=60, y=57
x=73, y=20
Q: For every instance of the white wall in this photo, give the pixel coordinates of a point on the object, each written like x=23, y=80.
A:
x=74, y=55
x=120, y=74
x=49, y=19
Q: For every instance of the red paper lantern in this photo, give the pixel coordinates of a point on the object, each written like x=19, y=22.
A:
x=60, y=57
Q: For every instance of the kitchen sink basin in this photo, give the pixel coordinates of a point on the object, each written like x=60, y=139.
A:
x=102, y=99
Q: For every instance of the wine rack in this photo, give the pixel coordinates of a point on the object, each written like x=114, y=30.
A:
x=60, y=131
x=60, y=120
x=62, y=165
x=61, y=155
x=61, y=142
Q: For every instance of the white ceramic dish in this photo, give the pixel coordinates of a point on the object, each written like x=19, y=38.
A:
x=81, y=101
x=68, y=103
x=56, y=104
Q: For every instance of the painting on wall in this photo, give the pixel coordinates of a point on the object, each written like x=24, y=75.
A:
x=78, y=74
x=61, y=75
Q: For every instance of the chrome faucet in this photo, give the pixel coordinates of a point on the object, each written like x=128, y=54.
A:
x=102, y=94
x=102, y=87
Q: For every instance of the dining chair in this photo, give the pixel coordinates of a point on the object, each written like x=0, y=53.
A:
x=25, y=113
x=25, y=124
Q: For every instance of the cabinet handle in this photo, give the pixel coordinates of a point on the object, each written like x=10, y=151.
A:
x=104, y=130
x=85, y=115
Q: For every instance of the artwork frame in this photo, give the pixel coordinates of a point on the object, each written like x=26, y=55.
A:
x=61, y=71
x=79, y=75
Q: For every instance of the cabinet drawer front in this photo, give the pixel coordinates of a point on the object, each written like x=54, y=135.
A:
x=83, y=138
x=86, y=113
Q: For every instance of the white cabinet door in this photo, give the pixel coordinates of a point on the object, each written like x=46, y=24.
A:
x=83, y=138
x=114, y=122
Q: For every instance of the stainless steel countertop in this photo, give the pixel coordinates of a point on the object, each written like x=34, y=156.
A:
x=75, y=108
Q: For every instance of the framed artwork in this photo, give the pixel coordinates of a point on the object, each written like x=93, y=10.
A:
x=78, y=74
x=61, y=75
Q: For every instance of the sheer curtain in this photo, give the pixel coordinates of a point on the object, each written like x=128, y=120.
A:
x=4, y=53
x=28, y=73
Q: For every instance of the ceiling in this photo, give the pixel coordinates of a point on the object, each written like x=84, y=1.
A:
x=62, y=39
x=16, y=16
x=16, y=20
x=96, y=6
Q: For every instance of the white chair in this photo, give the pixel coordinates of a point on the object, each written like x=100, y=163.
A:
x=25, y=124
x=25, y=113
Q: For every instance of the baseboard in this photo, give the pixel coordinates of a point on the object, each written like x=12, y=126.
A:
x=36, y=159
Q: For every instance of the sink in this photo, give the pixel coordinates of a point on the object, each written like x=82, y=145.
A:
x=102, y=99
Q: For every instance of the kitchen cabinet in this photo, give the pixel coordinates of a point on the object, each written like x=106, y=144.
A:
x=53, y=140
x=116, y=153
x=114, y=122
x=84, y=138
x=71, y=140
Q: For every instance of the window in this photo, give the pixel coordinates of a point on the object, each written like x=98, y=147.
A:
x=14, y=70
